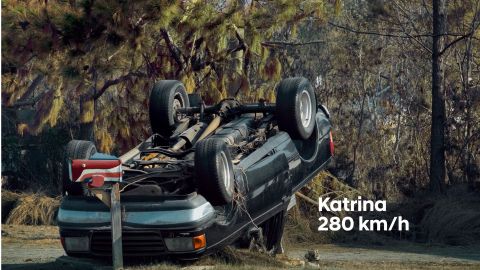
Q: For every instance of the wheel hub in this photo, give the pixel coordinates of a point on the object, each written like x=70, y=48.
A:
x=177, y=104
x=225, y=172
x=305, y=108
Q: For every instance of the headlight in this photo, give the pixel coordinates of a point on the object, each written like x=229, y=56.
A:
x=76, y=243
x=186, y=243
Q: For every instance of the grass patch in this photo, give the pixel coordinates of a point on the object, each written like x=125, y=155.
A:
x=453, y=220
x=33, y=209
x=395, y=265
x=233, y=256
x=227, y=258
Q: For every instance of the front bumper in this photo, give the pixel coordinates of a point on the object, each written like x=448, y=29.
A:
x=146, y=223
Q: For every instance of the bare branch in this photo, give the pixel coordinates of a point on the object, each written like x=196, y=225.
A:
x=454, y=42
x=287, y=43
x=406, y=36
x=32, y=101
x=356, y=31
x=172, y=48
x=419, y=43
x=31, y=88
x=242, y=46
x=118, y=80
x=410, y=21
x=468, y=35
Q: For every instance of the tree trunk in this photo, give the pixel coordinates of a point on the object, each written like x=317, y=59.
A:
x=86, y=125
x=437, y=140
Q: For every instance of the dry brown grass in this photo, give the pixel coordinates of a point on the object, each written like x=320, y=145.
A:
x=227, y=258
x=301, y=228
x=302, y=223
x=322, y=265
x=233, y=256
x=39, y=242
x=395, y=265
x=327, y=185
x=453, y=220
x=29, y=233
x=34, y=209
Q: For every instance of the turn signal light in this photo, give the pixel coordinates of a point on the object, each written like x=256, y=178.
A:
x=77, y=244
x=199, y=242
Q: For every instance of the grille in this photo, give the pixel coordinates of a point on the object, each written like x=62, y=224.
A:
x=135, y=243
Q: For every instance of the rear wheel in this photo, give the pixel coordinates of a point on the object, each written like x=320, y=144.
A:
x=76, y=149
x=296, y=107
x=214, y=171
x=166, y=97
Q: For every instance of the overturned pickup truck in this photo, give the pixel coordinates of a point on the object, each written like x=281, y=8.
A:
x=209, y=176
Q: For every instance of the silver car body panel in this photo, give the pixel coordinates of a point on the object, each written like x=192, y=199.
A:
x=155, y=217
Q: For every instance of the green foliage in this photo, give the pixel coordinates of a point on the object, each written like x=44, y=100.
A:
x=215, y=49
x=73, y=28
x=376, y=87
x=82, y=45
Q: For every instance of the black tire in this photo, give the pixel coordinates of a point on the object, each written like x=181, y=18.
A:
x=296, y=107
x=76, y=149
x=214, y=171
x=166, y=95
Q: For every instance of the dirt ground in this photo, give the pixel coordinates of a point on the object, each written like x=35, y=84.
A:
x=38, y=247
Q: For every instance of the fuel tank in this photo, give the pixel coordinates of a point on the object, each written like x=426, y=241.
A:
x=236, y=131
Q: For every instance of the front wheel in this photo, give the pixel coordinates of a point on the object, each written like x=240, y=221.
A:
x=214, y=171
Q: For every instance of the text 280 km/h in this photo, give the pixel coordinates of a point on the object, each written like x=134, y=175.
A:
x=349, y=223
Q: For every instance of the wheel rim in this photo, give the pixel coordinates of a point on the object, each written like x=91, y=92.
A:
x=305, y=108
x=177, y=104
x=225, y=173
